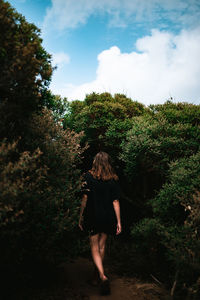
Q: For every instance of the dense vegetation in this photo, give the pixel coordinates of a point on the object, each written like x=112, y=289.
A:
x=47, y=143
x=39, y=178
x=156, y=152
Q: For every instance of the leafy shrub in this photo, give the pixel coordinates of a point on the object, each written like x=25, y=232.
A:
x=39, y=194
x=153, y=142
x=161, y=157
x=177, y=208
x=175, y=225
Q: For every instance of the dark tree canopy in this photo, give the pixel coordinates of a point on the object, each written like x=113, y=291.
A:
x=25, y=70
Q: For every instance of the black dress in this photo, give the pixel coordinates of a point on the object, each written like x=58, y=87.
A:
x=99, y=215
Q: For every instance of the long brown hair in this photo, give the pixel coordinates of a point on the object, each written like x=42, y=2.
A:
x=101, y=167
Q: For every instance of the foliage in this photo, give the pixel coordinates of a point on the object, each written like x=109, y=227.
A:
x=56, y=104
x=25, y=69
x=173, y=230
x=116, y=133
x=97, y=112
x=153, y=142
x=43, y=136
x=177, y=205
x=161, y=156
x=39, y=193
x=39, y=177
x=96, y=116
x=182, y=112
x=150, y=145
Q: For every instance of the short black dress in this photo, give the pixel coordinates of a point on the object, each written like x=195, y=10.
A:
x=99, y=215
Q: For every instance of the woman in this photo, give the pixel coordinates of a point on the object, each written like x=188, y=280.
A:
x=100, y=210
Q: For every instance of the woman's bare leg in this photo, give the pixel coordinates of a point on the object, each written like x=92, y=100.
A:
x=102, y=244
x=95, y=250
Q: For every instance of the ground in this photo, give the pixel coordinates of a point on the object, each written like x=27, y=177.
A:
x=122, y=288
x=70, y=282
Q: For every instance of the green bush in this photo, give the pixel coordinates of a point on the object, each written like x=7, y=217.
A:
x=161, y=157
x=39, y=194
x=173, y=231
x=153, y=142
x=177, y=208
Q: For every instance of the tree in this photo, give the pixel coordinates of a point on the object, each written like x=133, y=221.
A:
x=176, y=209
x=181, y=112
x=25, y=69
x=55, y=103
x=96, y=114
x=152, y=143
x=39, y=177
x=161, y=156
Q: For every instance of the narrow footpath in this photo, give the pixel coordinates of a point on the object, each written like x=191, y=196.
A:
x=122, y=288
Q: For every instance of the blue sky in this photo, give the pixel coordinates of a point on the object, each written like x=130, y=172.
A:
x=146, y=49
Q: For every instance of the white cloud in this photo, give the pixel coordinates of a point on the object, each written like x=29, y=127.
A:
x=60, y=58
x=70, y=14
x=162, y=66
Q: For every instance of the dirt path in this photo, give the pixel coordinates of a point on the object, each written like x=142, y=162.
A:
x=80, y=271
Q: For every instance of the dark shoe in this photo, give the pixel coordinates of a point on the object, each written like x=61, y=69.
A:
x=105, y=287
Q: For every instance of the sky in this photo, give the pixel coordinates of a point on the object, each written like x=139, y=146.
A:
x=148, y=50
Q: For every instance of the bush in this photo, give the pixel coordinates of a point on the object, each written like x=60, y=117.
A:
x=39, y=194
x=175, y=226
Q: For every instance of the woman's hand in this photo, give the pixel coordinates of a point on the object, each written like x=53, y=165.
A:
x=80, y=223
x=83, y=205
x=119, y=228
x=116, y=207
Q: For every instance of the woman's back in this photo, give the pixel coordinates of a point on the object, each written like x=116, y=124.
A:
x=99, y=213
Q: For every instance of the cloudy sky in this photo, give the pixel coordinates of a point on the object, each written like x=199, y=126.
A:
x=146, y=49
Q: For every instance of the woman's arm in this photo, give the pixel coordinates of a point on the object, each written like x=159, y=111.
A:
x=116, y=206
x=83, y=205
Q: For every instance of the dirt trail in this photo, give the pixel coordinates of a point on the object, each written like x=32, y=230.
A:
x=80, y=271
